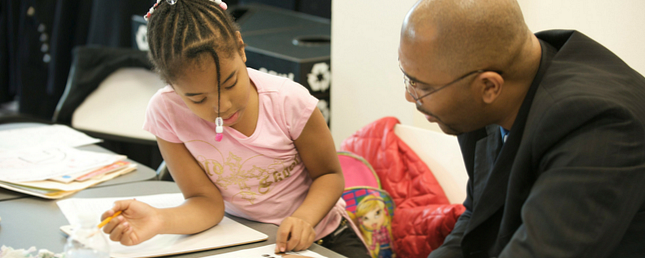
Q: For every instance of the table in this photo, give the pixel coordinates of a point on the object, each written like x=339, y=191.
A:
x=142, y=173
x=35, y=222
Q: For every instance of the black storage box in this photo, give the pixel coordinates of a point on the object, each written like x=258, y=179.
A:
x=139, y=33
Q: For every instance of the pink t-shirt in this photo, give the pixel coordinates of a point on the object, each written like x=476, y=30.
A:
x=261, y=177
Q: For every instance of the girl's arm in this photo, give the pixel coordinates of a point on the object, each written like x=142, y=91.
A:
x=204, y=205
x=203, y=208
x=317, y=150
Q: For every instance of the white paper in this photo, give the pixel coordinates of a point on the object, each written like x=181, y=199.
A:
x=227, y=233
x=72, y=207
x=43, y=137
x=266, y=251
x=40, y=164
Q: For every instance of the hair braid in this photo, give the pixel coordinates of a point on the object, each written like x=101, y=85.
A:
x=155, y=29
x=180, y=29
x=219, y=18
x=166, y=42
x=192, y=32
x=180, y=34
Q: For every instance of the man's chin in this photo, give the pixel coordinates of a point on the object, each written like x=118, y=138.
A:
x=430, y=118
x=448, y=130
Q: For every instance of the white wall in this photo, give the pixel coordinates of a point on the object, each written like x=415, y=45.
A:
x=367, y=82
x=619, y=25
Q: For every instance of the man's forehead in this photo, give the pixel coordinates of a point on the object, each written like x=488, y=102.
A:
x=413, y=57
x=423, y=68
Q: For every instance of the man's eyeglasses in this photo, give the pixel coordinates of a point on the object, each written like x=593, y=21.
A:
x=411, y=87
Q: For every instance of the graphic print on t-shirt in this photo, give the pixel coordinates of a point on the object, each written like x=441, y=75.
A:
x=243, y=177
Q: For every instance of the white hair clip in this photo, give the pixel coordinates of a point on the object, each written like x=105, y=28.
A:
x=221, y=4
x=219, y=129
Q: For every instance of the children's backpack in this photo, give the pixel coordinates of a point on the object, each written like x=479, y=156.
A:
x=370, y=207
x=357, y=171
x=371, y=210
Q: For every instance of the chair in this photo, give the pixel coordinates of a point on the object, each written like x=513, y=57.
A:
x=106, y=96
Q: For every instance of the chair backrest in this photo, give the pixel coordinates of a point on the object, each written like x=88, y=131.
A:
x=90, y=67
x=118, y=105
x=442, y=154
x=107, y=93
x=357, y=171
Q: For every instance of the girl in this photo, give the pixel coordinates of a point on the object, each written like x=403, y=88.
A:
x=235, y=140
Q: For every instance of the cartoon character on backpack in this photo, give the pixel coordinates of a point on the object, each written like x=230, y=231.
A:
x=374, y=221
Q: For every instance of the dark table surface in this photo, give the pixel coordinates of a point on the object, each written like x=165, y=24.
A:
x=33, y=221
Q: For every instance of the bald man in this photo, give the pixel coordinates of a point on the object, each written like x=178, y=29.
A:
x=551, y=127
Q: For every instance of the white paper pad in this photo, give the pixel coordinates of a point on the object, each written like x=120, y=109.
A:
x=266, y=251
x=227, y=233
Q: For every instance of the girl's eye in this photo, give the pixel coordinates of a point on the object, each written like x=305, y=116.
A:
x=233, y=85
x=198, y=102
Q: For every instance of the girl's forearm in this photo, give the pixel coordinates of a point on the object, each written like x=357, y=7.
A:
x=196, y=214
x=323, y=194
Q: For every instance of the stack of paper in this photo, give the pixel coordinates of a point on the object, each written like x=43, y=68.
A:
x=41, y=161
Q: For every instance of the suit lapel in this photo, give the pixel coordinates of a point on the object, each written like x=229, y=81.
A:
x=492, y=181
x=486, y=152
x=492, y=169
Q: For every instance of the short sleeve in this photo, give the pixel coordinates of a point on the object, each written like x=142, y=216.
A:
x=158, y=120
x=298, y=104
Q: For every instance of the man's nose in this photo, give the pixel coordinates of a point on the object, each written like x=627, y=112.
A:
x=408, y=97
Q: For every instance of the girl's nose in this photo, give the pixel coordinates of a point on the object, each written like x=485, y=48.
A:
x=222, y=106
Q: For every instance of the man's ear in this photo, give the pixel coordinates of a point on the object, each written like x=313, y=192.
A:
x=491, y=85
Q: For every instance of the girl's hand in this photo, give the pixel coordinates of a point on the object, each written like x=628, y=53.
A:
x=138, y=222
x=294, y=234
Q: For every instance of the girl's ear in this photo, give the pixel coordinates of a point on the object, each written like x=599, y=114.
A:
x=240, y=43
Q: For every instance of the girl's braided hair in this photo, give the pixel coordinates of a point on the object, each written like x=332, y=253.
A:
x=180, y=33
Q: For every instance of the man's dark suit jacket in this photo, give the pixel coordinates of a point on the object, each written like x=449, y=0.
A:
x=570, y=179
